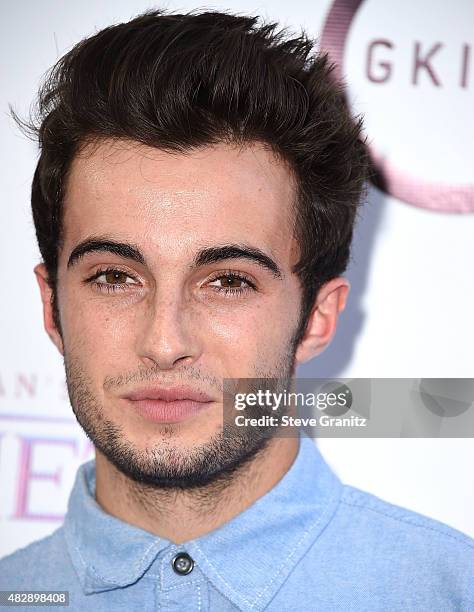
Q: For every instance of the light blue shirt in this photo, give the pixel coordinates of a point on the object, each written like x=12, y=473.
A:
x=309, y=544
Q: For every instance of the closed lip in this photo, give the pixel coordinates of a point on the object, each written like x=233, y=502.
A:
x=168, y=395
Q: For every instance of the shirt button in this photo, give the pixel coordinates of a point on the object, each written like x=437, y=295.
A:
x=182, y=564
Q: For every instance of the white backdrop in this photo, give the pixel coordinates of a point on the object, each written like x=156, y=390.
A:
x=412, y=297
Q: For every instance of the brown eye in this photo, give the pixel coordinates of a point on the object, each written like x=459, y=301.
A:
x=115, y=277
x=112, y=278
x=231, y=282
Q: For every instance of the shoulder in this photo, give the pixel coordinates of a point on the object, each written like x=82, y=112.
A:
x=33, y=566
x=417, y=551
x=374, y=555
x=373, y=513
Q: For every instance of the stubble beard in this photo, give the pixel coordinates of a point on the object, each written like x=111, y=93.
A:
x=166, y=465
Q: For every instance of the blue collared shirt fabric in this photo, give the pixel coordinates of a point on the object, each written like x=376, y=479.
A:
x=310, y=544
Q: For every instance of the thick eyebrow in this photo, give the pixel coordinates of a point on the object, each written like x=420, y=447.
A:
x=92, y=245
x=237, y=251
x=205, y=256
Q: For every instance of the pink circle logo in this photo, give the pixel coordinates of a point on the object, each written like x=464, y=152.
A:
x=431, y=95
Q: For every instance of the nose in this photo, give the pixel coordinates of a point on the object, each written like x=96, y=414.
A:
x=168, y=335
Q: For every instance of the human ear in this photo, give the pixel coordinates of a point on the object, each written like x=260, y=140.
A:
x=46, y=297
x=321, y=326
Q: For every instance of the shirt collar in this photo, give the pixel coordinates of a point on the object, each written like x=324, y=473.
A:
x=106, y=552
x=248, y=558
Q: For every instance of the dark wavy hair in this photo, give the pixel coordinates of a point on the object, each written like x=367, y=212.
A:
x=181, y=81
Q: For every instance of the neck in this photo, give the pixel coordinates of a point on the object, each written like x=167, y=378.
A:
x=178, y=515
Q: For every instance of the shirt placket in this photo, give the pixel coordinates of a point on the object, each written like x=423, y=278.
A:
x=181, y=584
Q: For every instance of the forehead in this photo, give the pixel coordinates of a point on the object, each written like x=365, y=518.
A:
x=170, y=201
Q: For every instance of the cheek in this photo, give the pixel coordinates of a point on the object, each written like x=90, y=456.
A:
x=99, y=329
x=255, y=333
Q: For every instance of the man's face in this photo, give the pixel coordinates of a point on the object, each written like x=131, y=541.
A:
x=172, y=320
